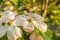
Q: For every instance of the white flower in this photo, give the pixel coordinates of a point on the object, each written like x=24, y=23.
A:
x=27, y=26
x=31, y=22
x=38, y=21
x=13, y=32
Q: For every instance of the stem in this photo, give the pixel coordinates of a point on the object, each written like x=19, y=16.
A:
x=52, y=3
x=43, y=5
x=45, y=10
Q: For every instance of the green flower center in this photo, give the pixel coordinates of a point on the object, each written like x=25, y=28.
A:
x=10, y=23
x=1, y=15
x=30, y=19
x=3, y=24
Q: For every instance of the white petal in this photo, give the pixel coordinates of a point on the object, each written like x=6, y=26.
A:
x=36, y=16
x=11, y=35
x=17, y=31
x=40, y=25
x=3, y=30
x=20, y=21
x=14, y=33
x=23, y=16
x=28, y=28
x=4, y=16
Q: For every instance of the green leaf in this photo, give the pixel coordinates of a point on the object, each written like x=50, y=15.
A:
x=55, y=37
x=47, y=35
x=14, y=1
x=17, y=2
x=20, y=38
x=4, y=37
x=25, y=35
x=1, y=1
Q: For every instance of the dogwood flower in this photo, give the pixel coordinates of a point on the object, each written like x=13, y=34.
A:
x=28, y=21
x=10, y=27
x=13, y=32
x=38, y=21
x=35, y=20
x=27, y=26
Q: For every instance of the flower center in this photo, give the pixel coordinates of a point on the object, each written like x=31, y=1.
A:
x=3, y=24
x=1, y=15
x=30, y=19
x=10, y=23
x=22, y=13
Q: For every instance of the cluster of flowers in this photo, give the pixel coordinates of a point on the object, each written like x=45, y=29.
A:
x=10, y=20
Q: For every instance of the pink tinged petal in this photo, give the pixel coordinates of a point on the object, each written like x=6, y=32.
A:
x=36, y=16
x=40, y=25
x=11, y=15
x=11, y=36
x=20, y=21
x=33, y=36
x=28, y=28
x=23, y=16
x=3, y=30
x=17, y=31
x=14, y=33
